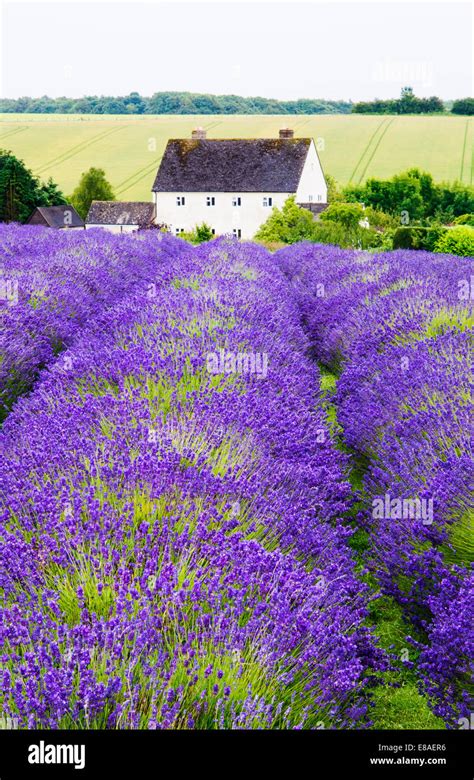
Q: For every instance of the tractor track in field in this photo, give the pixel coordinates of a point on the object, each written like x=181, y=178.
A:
x=77, y=149
x=137, y=176
x=17, y=130
x=463, y=152
x=472, y=161
x=212, y=125
x=379, y=140
x=367, y=149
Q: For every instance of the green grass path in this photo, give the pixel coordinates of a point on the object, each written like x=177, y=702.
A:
x=397, y=702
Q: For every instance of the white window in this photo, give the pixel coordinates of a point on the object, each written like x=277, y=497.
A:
x=320, y=197
x=213, y=231
x=236, y=201
x=310, y=198
x=179, y=230
x=267, y=201
x=210, y=200
x=237, y=232
x=180, y=200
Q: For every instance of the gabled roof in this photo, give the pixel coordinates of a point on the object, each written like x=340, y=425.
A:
x=58, y=216
x=114, y=212
x=224, y=165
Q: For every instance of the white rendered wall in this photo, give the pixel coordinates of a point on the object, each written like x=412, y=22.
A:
x=223, y=217
x=312, y=186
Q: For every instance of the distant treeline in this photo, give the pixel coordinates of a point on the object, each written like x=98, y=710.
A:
x=171, y=103
x=464, y=106
x=409, y=103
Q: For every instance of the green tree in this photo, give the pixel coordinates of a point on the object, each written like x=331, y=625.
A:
x=21, y=192
x=53, y=194
x=92, y=186
x=348, y=225
x=334, y=193
x=379, y=219
x=399, y=196
x=454, y=199
x=346, y=214
x=407, y=102
x=464, y=106
x=289, y=224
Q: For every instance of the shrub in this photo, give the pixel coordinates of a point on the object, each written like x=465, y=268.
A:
x=465, y=219
x=346, y=214
x=199, y=235
x=379, y=220
x=417, y=237
x=457, y=241
x=289, y=224
x=330, y=232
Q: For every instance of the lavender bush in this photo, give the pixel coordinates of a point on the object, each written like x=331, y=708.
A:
x=397, y=330
x=173, y=538
x=52, y=282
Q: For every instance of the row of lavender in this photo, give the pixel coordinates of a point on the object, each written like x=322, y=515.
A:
x=172, y=544
x=51, y=284
x=398, y=329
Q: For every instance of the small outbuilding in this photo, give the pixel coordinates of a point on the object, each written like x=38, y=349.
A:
x=58, y=217
x=120, y=216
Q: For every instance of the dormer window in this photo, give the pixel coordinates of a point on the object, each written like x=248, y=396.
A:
x=180, y=200
x=236, y=201
x=210, y=200
x=267, y=201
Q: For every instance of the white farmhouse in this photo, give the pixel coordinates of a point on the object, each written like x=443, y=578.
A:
x=233, y=184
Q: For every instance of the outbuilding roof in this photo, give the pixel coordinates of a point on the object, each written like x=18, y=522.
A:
x=56, y=216
x=115, y=212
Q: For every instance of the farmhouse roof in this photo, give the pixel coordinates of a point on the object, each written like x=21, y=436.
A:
x=115, y=212
x=232, y=165
x=56, y=216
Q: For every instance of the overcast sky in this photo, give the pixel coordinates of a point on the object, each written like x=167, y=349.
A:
x=275, y=49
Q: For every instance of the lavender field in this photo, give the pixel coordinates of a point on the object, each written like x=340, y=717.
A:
x=235, y=486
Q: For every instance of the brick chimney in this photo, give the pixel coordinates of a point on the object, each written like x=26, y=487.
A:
x=199, y=134
x=286, y=132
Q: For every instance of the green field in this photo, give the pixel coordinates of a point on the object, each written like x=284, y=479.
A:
x=129, y=148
